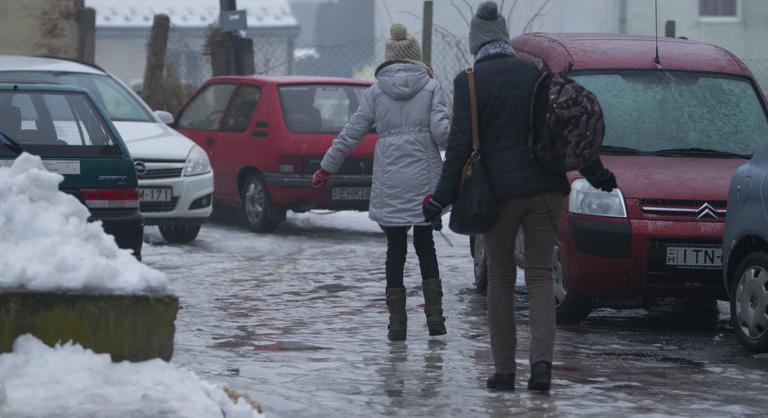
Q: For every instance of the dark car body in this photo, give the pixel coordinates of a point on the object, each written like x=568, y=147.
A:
x=660, y=234
x=266, y=137
x=95, y=163
x=745, y=252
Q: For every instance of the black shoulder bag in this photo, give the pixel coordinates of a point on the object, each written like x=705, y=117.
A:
x=475, y=211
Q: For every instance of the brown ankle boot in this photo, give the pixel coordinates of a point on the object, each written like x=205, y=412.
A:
x=398, y=320
x=433, y=306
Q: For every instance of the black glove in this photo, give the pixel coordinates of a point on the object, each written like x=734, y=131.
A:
x=605, y=180
x=431, y=209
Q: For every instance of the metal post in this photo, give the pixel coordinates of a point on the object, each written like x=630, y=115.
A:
x=426, y=32
x=623, y=16
x=670, y=29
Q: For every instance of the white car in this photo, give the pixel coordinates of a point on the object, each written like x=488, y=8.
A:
x=175, y=176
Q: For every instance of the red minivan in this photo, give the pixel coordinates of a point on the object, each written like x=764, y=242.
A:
x=266, y=136
x=676, y=130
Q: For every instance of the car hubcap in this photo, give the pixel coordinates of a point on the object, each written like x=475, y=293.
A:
x=751, y=301
x=254, y=202
x=557, y=281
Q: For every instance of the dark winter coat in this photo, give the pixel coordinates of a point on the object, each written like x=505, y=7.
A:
x=504, y=89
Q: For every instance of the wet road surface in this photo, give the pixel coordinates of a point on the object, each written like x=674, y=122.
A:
x=298, y=319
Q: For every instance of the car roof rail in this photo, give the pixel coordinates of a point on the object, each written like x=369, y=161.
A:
x=22, y=81
x=77, y=61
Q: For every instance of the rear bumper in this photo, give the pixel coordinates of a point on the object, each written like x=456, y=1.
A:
x=625, y=258
x=295, y=191
x=127, y=229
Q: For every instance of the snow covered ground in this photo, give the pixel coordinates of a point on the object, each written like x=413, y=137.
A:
x=69, y=381
x=48, y=244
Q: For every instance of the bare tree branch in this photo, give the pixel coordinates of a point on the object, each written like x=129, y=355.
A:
x=458, y=10
x=536, y=15
x=469, y=6
x=511, y=11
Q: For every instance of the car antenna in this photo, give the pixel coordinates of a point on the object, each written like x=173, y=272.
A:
x=657, y=60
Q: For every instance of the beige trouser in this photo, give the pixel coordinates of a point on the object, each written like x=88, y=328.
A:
x=537, y=215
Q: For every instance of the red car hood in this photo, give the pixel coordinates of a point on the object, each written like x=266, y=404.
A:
x=673, y=177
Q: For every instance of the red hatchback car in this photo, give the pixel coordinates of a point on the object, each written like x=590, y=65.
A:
x=266, y=136
x=675, y=133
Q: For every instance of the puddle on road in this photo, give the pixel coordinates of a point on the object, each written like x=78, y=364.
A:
x=298, y=319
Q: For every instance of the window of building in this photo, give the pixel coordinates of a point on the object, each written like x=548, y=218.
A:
x=720, y=9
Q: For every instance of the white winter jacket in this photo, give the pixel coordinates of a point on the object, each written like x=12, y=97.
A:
x=412, y=120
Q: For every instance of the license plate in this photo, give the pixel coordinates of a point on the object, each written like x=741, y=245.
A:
x=351, y=193
x=697, y=257
x=155, y=195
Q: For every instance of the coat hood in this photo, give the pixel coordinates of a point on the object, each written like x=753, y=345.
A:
x=402, y=80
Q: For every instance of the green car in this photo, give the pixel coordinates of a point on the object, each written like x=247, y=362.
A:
x=75, y=138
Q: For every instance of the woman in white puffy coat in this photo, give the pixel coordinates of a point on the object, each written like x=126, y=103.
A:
x=410, y=113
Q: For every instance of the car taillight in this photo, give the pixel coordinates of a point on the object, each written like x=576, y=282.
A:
x=111, y=198
x=289, y=164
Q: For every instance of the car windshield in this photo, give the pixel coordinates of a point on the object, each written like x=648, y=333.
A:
x=53, y=124
x=678, y=113
x=319, y=108
x=119, y=103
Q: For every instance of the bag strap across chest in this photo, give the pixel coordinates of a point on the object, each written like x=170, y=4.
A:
x=473, y=109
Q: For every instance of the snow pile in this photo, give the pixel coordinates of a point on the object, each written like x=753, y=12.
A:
x=39, y=381
x=48, y=244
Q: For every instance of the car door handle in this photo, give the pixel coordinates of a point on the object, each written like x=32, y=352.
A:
x=210, y=141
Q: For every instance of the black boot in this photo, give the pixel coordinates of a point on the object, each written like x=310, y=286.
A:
x=433, y=306
x=398, y=320
x=501, y=381
x=541, y=376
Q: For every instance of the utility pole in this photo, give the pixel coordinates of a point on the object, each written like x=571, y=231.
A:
x=231, y=54
x=426, y=31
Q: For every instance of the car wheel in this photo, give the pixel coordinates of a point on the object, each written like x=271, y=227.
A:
x=257, y=208
x=749, y=302
x=481, y=264
x=570, y=309
x=179, y=234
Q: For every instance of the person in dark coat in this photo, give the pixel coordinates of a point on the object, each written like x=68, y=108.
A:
x=528, y=195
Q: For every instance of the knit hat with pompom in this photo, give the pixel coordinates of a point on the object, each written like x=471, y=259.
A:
x=401, y=46
x=487, y=26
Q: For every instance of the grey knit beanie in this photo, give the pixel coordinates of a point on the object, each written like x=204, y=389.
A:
x=401, y=46
x=487, y=26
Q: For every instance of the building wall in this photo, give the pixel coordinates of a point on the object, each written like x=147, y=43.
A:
x=40, y=27
x=745, y=37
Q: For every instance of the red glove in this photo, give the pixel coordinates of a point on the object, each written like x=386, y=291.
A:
x=320, y=178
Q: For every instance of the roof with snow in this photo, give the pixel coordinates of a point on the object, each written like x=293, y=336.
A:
x=188, y=13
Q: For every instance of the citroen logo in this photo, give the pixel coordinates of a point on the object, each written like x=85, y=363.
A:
x=140, y=167
x=706, y=210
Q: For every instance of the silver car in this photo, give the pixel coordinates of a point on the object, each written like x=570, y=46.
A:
x=745, y=252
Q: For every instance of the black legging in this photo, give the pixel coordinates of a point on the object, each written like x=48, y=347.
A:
x=397, y=248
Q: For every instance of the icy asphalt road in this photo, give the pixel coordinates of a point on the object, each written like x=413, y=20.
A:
x=298, y=319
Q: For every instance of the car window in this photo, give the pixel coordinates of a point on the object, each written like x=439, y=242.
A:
x=241, y=108
x=319, y=108
x=49, y=121
x=655, y=110
x=206, y=109
x=119, y=103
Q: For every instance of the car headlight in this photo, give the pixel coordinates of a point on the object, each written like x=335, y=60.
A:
x=197, y=162
x=587, y=200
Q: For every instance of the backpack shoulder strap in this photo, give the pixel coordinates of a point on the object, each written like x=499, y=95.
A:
x=473, y=109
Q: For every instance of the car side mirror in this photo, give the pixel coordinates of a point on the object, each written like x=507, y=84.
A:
x=165, y=117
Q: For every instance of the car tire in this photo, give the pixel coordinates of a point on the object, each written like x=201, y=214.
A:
x=749, y=302
x=179, y=234
x=258, y=210
x=480, y=257
x=570, y=309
